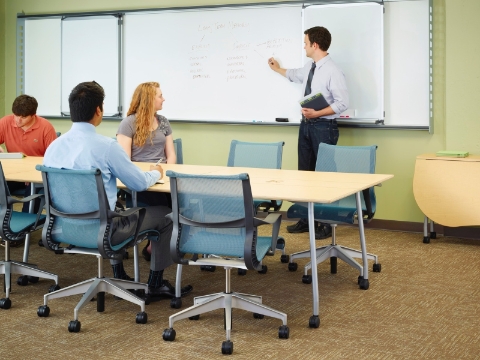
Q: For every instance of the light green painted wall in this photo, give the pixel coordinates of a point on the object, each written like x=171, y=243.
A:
x=397, y=149
x=463, y=76
x=2, y=57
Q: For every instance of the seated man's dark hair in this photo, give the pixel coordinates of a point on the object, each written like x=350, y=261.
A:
x=24, y=105
x=84, y=100
x=319, y=35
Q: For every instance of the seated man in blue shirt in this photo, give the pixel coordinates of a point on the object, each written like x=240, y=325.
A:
x=82, y=148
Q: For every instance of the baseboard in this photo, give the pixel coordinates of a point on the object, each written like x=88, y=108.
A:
x=464, y=232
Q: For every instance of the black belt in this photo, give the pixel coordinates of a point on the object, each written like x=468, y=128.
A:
x=314, y=120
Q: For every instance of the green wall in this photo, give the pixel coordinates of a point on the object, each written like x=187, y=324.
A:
x=456, y=86
x=2, y=57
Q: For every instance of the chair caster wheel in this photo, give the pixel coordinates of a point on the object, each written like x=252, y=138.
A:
x=43, y=311
x=258, y=316
x=242, y=272
x=284, y=259
x=307, y=279
x=377, y=267
x=292, y=266
x=40, y=243
x=33, y=279
x=169, y=334
x=22, y=280
x=210, y=268
x=227, y=347
x=74, y=326
x=426, y=240
x=264, y=269
x=141, y=318
x=283, y=332
x=194, y=317
x=125, y=255
x=5, y=303
x=364, y=284
x=176, y=303
x=433, y=235
x=53, y=288
x=314, y=321
x=280, y=243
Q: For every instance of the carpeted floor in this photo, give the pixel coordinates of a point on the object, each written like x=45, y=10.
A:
x=425, y=304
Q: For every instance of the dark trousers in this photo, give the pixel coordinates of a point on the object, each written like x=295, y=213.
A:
x=312, y=132
x=154, y=219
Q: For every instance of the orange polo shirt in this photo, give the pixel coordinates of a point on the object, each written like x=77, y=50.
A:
x=33, y=142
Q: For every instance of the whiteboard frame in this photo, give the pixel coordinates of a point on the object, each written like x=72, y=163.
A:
x=20, y=73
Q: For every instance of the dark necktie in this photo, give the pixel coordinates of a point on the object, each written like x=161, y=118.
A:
x=308, y=87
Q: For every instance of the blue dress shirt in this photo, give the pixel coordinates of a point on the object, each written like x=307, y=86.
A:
x=82, y=148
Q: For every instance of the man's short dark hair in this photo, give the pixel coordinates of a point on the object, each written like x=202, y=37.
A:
x=84, y=100
x=25, y=105
x=319, y=35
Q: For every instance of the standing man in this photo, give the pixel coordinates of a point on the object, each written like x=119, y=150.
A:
x=25, y=132
x=81, y=148
x=317, y=126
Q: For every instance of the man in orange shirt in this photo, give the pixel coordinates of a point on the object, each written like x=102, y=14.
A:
x=25, y=132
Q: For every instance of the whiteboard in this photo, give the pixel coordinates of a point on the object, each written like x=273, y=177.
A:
x=90, y=52
x=42, y=64
x=229, y=80
x=357, y=48
x=212, y=63
x=407, y=63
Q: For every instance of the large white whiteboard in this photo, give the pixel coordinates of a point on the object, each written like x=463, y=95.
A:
x=232, y=79
x=212, y=64
x=357, y=48
x=90, y=53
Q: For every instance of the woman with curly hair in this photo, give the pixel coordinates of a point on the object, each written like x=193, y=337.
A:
x=147, y=137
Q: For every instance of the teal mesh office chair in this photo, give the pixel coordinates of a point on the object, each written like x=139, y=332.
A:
x=78, y=214
x=347, y=159
x=260, y=155
x=15, y=226
x=177, y=143
x=215, y=215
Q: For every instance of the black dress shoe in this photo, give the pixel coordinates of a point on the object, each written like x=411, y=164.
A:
x=166, y=291
x=300, y=227
x=146, y=255
x=323, y=232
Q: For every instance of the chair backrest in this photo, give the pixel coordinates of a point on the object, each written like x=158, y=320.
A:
x=77, y=209
x=177, y=143
x=255, y=155
x=349, y=159
x=212, y=215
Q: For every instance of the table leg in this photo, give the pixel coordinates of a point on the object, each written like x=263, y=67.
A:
x=364, y=284
x=136, y=264
x=314, y=321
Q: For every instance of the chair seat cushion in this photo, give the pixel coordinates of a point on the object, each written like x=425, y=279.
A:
x=223, y=245
x=21, y=221
x=335, y=212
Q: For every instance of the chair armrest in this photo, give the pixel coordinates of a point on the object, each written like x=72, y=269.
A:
x=12, y=200
x=274, y=219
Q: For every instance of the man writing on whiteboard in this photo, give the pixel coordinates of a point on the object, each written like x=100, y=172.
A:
x=321, y=75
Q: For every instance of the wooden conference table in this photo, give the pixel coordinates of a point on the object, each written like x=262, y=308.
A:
x=291, y=185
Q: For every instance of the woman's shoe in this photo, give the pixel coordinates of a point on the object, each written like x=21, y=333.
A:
x=146, y=255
